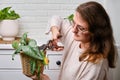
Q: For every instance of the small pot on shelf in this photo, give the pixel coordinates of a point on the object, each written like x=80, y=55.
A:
x=9, y=29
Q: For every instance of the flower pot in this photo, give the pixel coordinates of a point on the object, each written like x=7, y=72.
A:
x=9, y=29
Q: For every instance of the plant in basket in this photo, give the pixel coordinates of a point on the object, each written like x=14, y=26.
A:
x=32, y=58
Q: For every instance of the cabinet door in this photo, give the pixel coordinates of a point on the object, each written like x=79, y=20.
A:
x=54, y=61
x=12, y=75
x=53, y=74
x=53, y=68
x=7, y=62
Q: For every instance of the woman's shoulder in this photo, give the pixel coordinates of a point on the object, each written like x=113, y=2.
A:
x=101, y=63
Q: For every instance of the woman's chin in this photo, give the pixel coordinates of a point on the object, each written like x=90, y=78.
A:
x=76, y=38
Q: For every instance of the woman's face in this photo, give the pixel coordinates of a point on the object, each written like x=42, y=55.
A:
x=80, y=29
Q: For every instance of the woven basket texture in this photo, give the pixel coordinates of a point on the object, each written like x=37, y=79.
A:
x=25, y=61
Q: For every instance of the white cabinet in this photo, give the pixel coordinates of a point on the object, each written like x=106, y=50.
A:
x=52, y=70
x=11, y=69
x=54, y=60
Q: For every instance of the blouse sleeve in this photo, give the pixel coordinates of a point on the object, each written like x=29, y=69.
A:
x=63, y=26
x=56, y=21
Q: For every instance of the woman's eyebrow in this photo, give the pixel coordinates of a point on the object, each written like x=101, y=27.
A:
x=77, y=24
x=80, y=26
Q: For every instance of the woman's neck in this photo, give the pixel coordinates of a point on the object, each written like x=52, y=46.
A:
x=84, y=45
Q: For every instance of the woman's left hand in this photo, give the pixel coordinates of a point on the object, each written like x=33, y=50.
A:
x=42, y=76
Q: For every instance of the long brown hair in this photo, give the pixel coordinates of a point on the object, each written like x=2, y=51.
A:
x=102, y=40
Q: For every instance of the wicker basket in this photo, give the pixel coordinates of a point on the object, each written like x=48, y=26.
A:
x=25, y=60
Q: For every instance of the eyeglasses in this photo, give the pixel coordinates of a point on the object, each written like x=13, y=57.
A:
x=79, y=27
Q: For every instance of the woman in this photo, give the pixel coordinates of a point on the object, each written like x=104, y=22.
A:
x=89, y=49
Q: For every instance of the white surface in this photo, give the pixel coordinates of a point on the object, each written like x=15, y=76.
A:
x=12, y=75
x=6, y=46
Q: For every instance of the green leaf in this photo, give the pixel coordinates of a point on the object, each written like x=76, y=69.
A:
x=7, y=14
x=71, y=17
x=23, y=42
x=42, y=53
x=33, y=66
x=16, y=52
x=23, y=39
x=6, y=9
x=38, y=71
x=30, y=52
x=37, y=51
x=15, y=44
x=25, y=35
x=32, y=43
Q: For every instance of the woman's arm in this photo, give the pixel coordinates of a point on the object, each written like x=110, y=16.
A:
x=60, y=29
x=55, y=27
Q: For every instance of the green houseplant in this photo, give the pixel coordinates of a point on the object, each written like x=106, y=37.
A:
x=9, y=27
x=34, y=58
x=70, y=17
x=7, y=14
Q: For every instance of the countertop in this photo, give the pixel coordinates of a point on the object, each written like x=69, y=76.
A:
x=7, y=44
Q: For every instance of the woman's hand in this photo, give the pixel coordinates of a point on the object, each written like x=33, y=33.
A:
x=55, y=45
x=56, y=36
x=42, y=76
x=55, y=33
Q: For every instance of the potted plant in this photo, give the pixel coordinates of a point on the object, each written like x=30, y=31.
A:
x=9, y=27
x=32, y=58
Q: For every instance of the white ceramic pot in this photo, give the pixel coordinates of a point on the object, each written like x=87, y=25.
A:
x=9, y=29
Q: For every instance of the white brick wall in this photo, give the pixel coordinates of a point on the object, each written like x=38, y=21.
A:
x=35, y=14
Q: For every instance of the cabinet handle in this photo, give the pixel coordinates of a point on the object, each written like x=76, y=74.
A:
x=58, y=63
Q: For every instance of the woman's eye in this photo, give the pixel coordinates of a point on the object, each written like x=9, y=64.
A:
x=81, y=28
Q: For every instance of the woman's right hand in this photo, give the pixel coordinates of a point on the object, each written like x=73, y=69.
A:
x=56, y=36
x=55, y=33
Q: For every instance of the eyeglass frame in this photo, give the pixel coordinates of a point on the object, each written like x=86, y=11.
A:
x=79, y=27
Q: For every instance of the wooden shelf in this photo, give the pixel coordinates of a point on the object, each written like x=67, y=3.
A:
x=8, y=42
